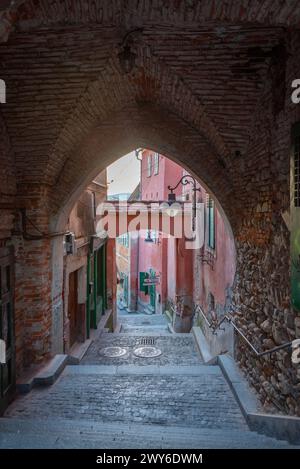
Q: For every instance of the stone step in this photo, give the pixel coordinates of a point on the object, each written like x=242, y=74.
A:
x=121, y=370
x=198, y=397
x=143, y=319
x=126, y=329
x=64, y=433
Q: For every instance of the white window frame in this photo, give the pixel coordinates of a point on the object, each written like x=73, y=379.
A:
x=149, y=166
x=156, y=164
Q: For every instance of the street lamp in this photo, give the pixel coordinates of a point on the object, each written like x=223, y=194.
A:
x=184, y=181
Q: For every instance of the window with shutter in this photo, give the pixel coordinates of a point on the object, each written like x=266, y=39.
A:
x=156, y=163
x=149, y=166
x=211, y=223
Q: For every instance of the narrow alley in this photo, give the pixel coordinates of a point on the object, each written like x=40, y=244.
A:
x=169, y=401
x=149, y=224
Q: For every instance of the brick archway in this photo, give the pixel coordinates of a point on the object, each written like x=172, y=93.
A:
x=202, y=93
x=150, y=127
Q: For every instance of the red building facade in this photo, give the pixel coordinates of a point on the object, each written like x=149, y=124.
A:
x=179, y=277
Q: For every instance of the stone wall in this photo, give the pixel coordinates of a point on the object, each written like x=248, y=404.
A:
x=262, y=284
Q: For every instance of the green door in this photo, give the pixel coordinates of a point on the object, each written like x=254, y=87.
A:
x=152, y=291
x=126, y=289
x=7, y=369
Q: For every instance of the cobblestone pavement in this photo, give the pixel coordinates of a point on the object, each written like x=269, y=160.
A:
x=172, y=401
x=176, y=349
x=166, y=400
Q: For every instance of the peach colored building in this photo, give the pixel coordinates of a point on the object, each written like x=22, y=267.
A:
x=84, y=276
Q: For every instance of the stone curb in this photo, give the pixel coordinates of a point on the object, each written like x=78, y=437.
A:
x=203, y=347
x=46, y=376
x=281, y=427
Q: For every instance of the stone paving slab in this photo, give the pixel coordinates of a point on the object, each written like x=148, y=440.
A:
x=63, y=433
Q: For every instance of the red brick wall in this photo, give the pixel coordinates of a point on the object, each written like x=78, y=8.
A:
x=8, y=184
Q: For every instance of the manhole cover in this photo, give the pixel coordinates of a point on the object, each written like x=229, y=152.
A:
x=113, y=352
x=147, y=352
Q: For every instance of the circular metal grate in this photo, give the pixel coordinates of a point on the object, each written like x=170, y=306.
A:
x=147, y=352
x=113, y=352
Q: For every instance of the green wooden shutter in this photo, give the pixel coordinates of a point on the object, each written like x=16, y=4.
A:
x=126, y=290
x=152, y=290
x=211, y=223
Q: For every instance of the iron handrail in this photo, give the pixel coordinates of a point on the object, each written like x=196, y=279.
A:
x=214, y=326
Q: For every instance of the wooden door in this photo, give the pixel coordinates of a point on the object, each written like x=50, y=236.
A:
x=73, y=306
x=7, y=334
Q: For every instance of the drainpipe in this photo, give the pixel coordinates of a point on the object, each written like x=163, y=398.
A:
x=139, y=158
x=95, y=291
x=88, y=317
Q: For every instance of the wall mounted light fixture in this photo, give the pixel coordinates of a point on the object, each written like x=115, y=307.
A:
x=185, y=180
x=126, y=56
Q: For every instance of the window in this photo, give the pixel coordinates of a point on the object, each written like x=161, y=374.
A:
x=125, y=289
x=211, y=222
x=156, y=163
x=124, y=240
x=149, y=166
x=154, y=235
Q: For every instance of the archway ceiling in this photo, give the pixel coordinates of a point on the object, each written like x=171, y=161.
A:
x=205, y=61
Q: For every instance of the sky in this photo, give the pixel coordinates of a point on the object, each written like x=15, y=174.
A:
x=123, y=175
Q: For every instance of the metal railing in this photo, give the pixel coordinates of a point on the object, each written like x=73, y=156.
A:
x=214, y=325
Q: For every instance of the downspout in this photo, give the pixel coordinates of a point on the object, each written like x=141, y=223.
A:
x=88, y=317
x=139, y=158
x=95, y=292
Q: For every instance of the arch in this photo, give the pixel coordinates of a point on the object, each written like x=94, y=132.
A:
x=150, y=83
x=148, y=127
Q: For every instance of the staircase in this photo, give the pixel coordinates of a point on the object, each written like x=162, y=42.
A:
x=170, y=401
